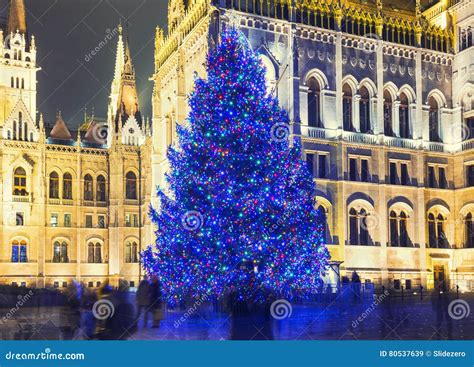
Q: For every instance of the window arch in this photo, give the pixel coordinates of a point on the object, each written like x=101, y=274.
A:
x=387, y=113
x=19, y=182
x=131, y=252
x=314, y=103
x=101, y=189
x=54, y=185
x=94, y=253
x=359, y=226
x=347, y=107
x=404, y=117
x=364, y=110
x=399, y=236
x=437, y=231
x=67, y=186
x=60, y=252
x=88, y=188
x=19, y=251
x=434, y=120
x=131, y=186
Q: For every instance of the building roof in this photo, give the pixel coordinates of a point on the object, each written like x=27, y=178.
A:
x=60, y=130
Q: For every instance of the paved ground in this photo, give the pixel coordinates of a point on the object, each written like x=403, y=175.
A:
x=391, y=318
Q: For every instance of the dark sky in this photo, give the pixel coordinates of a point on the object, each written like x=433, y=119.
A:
x=67, y=30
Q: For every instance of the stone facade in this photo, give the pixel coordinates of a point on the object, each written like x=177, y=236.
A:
x=73, y=203
x=381, y=96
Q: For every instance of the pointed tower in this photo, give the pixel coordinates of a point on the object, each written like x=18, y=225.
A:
x=115, y=87
x=16, y=17
x=17, y=67
x=124, y=109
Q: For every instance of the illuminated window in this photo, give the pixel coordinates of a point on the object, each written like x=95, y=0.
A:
x=19, y=182
x=19, y=252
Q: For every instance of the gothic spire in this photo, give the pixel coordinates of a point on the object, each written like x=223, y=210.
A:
x=16, y=17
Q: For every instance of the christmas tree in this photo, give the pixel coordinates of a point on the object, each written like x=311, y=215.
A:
x=239, y=214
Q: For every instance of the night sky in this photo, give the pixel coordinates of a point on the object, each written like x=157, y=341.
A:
x=67, y=31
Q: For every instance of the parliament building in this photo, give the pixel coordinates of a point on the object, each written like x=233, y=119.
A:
x=381, y=93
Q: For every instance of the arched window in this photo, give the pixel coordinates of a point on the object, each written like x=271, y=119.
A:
x=94, y=253
x=347, y=108
x=359, y=227
x=364, y=110
x=54, y=185
x=12, y=82
x=14, y=130
x=56, y=252
x=436, y=231
x=22, y=83
x=64, y=255
x=314, y=103
x=131, y=186
x=404, y=117
x=387, y=113
x=88, y=188
x=434, y=120
x=101, y=189
x=98, y=253
x=399, y=229
x=469, y=230
x=19, y=182
x=131, y=252
x=19, y=253
x=67, y=186
x=90, y=253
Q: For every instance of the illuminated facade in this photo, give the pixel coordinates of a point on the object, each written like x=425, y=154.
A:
x=382, y=96
x=73, y=203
